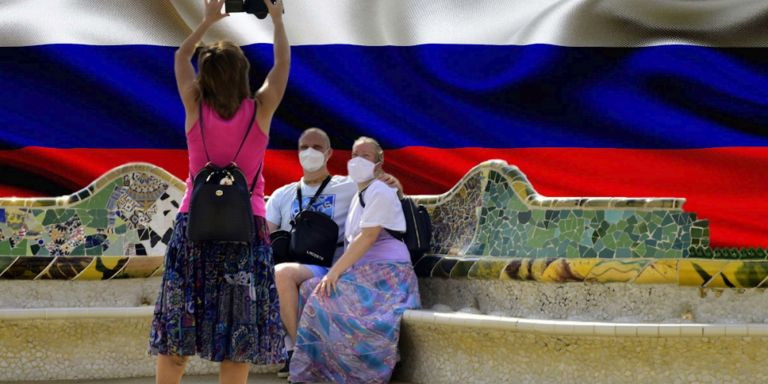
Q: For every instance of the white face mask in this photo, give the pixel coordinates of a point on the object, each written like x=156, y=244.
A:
x=360, y=169
x=311, y=159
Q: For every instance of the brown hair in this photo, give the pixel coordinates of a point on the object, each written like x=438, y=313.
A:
x=223, y=77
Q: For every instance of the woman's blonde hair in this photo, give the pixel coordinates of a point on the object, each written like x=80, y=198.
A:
x=223, y=77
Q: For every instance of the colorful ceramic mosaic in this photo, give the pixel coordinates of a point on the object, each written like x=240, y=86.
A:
x=498, y=208
x=491, y=225
x=117, y=227
x=494, y=225
x=689, y=272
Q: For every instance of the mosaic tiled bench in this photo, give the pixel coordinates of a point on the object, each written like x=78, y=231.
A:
x=117, y=227
x=496, y=243
x=491, y=225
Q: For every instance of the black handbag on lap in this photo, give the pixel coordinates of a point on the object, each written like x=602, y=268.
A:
x=314, y=235
x=220, y=203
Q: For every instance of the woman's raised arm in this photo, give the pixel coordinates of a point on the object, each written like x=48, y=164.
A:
x=271, y=92
x=185, y=72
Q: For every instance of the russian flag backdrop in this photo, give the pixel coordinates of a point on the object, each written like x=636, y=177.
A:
x=635, y=98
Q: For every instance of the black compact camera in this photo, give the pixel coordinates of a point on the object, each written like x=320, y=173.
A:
x=254, y=7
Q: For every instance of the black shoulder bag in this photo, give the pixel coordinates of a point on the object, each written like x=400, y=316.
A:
x=418, y=228
x=314, y=235
x=220, y=203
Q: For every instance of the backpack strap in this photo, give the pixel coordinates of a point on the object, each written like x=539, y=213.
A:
x=250, y=125
x=397, y=235
x=240, y=148
x=202, y=129
x=255, y=177
x=317, y=194
x=360, y=195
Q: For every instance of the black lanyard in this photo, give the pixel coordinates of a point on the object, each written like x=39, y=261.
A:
x=317, y=194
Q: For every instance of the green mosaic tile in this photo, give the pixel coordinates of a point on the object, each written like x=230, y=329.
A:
x=43, y=252
x=20, y=249
x=78, y=251
x=99, y=218
x=609, y=241
x=100, y=199
x=51, y=217
x=5, y=248
x=641, y=250
x=613, y=217
x=94, y=251
x=538, y=236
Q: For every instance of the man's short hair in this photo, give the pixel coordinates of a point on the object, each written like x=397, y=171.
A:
x=319, y=131
x=376, y=145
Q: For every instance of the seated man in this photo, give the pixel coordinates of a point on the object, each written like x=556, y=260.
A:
x=283, y=206
x=350, y=326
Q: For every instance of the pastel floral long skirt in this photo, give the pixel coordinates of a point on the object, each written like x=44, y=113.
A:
x=352, y=336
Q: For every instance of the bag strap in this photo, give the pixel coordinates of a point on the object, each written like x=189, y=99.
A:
x=255, y=177
x=317, y=194
x=250, y=125
x=202, y=130
x=360, y=195
x=202, y=133
x=397, y=235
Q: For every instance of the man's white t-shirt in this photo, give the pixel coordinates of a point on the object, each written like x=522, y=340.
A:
x=333, y=201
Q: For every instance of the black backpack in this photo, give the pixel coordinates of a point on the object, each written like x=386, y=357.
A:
x=220, y=203
x=418, y=228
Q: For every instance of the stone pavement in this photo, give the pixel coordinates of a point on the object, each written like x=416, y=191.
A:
x=263, y=378
x=260, y=378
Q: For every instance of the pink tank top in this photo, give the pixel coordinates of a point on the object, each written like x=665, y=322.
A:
x=223, y=137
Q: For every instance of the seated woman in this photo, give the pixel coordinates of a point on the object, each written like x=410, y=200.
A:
x=350, y=322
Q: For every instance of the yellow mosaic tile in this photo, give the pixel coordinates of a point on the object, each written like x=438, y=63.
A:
x=102, y=267
x=140, y=266
x=521, y=189
x=561, y=270
x=524, y=273
x=617, y=271
x=538, y=267
x=744, y=274
x=697, y=272
x=663, y=271
x=488, y=268
x=580, y=268
x=717, y=281
x=159, y=271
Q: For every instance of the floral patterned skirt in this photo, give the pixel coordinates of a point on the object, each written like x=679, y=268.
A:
x=351, y=337
x=218, y=300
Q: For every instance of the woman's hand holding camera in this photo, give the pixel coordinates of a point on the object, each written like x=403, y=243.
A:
x=213, y=11
x=275, y=9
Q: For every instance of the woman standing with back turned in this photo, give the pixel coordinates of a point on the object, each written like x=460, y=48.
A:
x=218, y=299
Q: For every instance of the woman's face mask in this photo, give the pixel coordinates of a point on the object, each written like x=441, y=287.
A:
x=360, y=169
x=311, y=159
